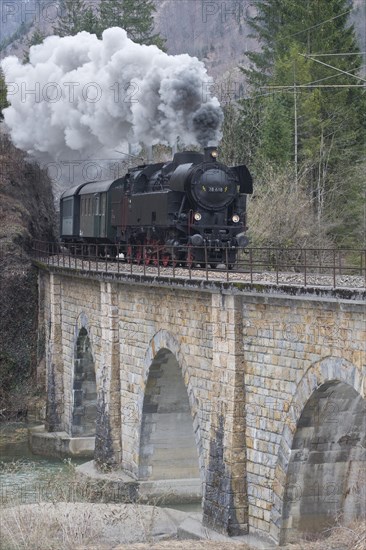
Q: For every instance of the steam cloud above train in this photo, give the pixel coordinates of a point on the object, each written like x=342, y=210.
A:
x=79, y=97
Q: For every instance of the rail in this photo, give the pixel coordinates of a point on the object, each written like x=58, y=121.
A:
x=325, y=268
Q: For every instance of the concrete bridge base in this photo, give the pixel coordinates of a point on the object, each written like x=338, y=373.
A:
x=193, y=528
x=60, y=444
x=117, y=486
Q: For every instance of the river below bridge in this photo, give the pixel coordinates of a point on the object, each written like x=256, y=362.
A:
x=26, y=478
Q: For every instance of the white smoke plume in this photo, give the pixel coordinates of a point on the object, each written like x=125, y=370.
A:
x=81, y=95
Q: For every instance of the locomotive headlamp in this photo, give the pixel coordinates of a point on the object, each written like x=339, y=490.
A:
x=214, y=154
x=235, y=218
x=197, y=216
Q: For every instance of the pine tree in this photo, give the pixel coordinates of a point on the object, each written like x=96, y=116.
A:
x=3, y=100
x=315, y=25
x=90, y=21
x=303, y=45
x=135, y=16
x=276, y=131
x=287, y=30
x=76, y=16
x=242, y=132
x=36, y=38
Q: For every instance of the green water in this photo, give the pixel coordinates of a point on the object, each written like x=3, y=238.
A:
x=26, y=478
x=187, y=507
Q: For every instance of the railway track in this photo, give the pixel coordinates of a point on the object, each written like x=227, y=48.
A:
x=274, y=277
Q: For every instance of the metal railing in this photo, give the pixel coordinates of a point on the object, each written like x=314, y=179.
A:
x=329, y=268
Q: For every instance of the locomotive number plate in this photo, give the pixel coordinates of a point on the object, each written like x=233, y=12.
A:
x=217, y=189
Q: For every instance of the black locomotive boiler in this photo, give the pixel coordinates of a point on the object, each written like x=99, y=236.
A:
x=191, y=210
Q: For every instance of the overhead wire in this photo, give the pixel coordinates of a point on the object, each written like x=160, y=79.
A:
x=279, y=89
x=334, y=68
x=334, y=54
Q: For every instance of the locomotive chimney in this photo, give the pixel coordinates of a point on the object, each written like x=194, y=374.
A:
x=210, y=154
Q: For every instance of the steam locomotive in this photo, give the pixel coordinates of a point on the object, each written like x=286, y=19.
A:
x=191, y=210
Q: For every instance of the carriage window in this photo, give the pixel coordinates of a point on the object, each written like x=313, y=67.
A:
x=96, y=204
x=103, y=203
x=67, y=208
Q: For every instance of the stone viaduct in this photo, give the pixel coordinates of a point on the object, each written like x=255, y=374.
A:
x=251, y=398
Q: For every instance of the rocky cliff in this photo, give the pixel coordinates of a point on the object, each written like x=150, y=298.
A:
x=26, y=213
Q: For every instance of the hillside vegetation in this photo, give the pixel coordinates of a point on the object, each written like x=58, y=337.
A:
x=26, y=213
x=303, y=121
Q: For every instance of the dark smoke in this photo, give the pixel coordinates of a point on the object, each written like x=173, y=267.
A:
x=207, y=122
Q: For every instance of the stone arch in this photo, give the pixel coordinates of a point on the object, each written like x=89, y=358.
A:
x=82, y=322
x=310, y=423
x=84, y=388
x=165, y=348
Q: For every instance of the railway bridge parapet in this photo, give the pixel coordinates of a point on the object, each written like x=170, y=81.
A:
x=250, y=397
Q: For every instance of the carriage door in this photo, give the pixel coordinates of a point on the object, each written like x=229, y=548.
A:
x=103, y=215
x=100, y=215
x=96, y=212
